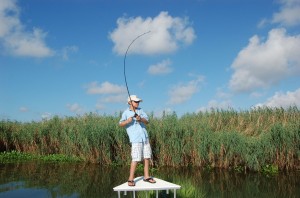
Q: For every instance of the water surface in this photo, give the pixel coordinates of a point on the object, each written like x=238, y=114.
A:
x=93, y=180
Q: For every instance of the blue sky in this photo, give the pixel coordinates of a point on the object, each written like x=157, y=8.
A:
x=65, y=57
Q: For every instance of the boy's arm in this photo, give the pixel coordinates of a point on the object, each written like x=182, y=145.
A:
x=125, y=122
x=143, y=120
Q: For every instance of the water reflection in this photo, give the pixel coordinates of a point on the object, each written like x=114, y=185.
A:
x=92, y=180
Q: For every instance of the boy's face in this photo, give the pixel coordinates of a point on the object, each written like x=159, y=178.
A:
x=135, y=104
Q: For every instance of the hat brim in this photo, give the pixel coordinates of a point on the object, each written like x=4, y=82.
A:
x=136, y=100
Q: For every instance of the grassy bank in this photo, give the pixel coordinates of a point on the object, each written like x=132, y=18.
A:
x=253, y=139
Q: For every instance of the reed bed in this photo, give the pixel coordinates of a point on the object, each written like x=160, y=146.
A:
x=254, y=139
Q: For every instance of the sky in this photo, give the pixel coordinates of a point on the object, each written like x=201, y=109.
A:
x=67, y=57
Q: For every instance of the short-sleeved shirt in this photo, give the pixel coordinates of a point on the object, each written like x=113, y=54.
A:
x=136, y=130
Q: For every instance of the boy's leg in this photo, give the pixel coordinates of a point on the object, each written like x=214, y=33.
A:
x=147, y=155
x=146, y=168
x=136, y=155
x=147, y=177
x=132, y=170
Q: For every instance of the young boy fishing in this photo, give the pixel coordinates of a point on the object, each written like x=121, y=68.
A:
x=134, y=119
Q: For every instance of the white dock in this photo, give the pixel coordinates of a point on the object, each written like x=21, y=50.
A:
x=140, y=185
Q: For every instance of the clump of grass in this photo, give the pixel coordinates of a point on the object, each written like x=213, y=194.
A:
x=13, y=156
x=16, y=156
x=270, y=169
x=229, y=139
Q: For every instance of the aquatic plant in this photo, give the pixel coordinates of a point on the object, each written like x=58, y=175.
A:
x=16, y=156
x=241, y=140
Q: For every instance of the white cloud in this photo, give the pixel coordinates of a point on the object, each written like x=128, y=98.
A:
x=8, y=17
x=23, y=109
x=289, y=15
x=183, y=92
x=67, y=50
x=163, y=112
x=14, y=38
x=75, y=108
x=262, y=23
x=257, y=94
x=105, y=88
x=263, y=64
x=120, y=98
x=223, y=101
x=112, y=98
x=214, y=104
x=111, y=93
x=100, y=106
x=283, y=100
x=222, y=94
x=167, y=33
x=141, y=83
x=160, y=68
x=46, y=115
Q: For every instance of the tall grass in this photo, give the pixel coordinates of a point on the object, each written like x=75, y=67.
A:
x=251, y=139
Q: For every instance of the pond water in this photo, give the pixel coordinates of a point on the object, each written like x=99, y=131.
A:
x=92, y=180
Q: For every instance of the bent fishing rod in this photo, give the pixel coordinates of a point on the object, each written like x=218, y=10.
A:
x=135, y=114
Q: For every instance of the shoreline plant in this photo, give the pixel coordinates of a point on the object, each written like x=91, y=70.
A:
x=260, y=139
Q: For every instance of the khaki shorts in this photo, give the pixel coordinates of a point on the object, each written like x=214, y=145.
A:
x=140, y=151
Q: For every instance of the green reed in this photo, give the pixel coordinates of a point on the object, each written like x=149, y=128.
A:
x=256, y=139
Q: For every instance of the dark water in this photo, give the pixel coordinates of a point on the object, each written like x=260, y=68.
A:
x=91, y=180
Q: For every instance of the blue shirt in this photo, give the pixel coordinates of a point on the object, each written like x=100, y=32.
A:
x=136, y=130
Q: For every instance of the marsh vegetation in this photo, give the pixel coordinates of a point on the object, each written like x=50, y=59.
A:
x=262, y=139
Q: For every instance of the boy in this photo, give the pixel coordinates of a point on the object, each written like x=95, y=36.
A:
x=134, y=119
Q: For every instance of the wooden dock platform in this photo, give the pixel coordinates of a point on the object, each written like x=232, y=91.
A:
x=140, y=185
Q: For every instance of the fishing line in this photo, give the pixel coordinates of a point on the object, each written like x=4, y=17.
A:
x=135, y=114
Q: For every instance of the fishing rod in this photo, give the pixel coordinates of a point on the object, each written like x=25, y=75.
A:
x=135, y=114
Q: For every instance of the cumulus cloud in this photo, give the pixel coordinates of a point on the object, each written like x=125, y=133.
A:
x=263, y=64
x=289, y=14
x=14, y=38
x=67, y=50
x=222, y=94
x=163, y=112
x=105, y=88
x=183, y=92
x=119, y=98
x=100, y=106
x=284, y=100
x=111, y=98
x=215, y=104
x=110, y=93
x=75, y=108
x=23, y=109
x=167, y=34
x=160, y=68
x=46, y=115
